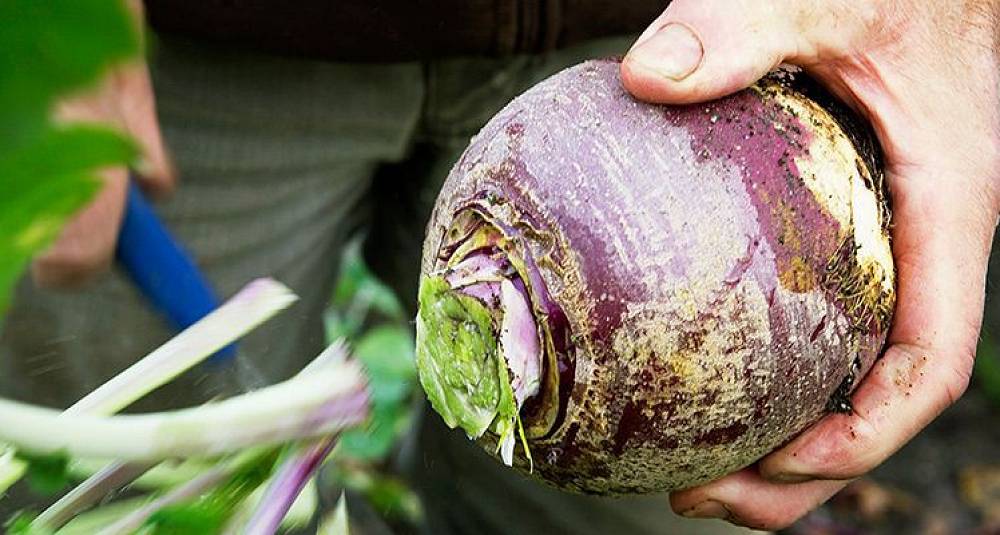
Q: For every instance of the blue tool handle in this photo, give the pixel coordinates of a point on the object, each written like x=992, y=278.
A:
x=161, y=269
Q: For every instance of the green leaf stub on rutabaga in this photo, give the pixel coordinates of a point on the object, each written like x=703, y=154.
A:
x=464, y=360
x=461, y=367
x=457, y=358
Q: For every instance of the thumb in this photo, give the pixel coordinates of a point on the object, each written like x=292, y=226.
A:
x=699, y=50
x=137, y=107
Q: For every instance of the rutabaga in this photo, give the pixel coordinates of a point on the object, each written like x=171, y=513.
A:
x=654, y=295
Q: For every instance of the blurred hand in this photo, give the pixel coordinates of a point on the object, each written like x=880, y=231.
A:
x=124, y=101
x=925, y=74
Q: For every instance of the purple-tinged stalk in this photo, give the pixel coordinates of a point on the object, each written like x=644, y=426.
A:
x=92, y=491
x=701, y=282
x=117, y=474
x=251, y=306
x=169, y=473
x=291, y=477
x=295, y=472
x=189, y=491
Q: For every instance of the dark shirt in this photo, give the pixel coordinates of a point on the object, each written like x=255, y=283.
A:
x=401, y=30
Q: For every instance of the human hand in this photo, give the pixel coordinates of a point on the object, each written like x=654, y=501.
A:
x=926, y=75
x=85, y=247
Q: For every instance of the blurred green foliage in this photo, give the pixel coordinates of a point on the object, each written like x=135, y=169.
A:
x=367, y=313
x=987, y=369
x=359, y=297
x=210, y=512
x=389, y=496
x=50, y=49
x=986, y=374
x=386, y=352
x=47, y=474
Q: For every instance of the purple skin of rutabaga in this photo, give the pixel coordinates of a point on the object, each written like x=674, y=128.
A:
x=724, y=269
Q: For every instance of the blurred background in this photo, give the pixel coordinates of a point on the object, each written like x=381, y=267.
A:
x=945, y=481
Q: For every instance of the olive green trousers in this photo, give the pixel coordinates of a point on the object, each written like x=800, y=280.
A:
x=281, y=161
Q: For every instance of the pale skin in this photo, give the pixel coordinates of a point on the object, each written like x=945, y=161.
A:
x=123, y=101
x=925, y=74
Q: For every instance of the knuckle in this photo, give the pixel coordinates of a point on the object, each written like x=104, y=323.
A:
x=69, y=268
x=957, y=380
x=835, y=28
x=841, y=454
x=84, y=261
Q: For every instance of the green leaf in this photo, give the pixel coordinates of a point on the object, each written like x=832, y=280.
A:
x=358, y=291
x=394, y=498
x=21, y=524
x=51, y=48
x=458, y=361
x=47, y=474
x=45, y=182
x=211, y=512
x=375, y=441
x=387, y=354
x=388, y=495
x=198, y=517
x=48, y=50
x=62, y=151
x=353, y=274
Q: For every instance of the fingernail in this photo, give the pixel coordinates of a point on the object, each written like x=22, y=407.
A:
x=674, y=52
x=707, y=509
x=143, y=166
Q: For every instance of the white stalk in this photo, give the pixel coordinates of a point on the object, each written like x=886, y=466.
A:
x=190, y=490
x=250, y=307
x=336, y=523
x=93, y=490
x=320, y=403
x=164, y=475
x=116, y=474
x=93, y=521
x=284, y=488
x=12, y=469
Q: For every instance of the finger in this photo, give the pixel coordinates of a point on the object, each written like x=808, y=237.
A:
x=137, y=109
x=941, y=244
x=747, y=499
x=86, y=244
x=703, y=49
